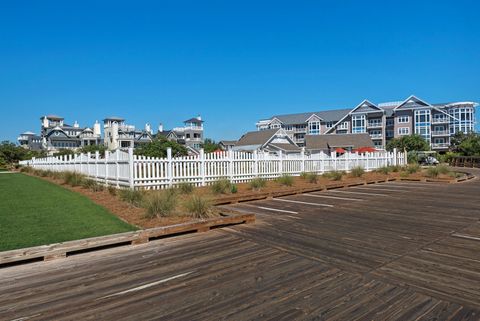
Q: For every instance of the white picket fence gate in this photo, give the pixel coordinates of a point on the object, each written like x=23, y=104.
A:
x=124, y=169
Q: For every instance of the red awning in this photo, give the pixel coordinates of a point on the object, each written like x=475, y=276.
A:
x=340, y=150
x=365, y=149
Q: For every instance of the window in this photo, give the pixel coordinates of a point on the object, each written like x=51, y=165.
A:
x=389, y=133
x=358, y=124
x=314, y=127
x=463, y=121
x=275, y=126
x=403, y=131
x=403, y=119
x=390, y=122
x=329, y=124
x=343, y=125
x=422, y=124
x=376, y=134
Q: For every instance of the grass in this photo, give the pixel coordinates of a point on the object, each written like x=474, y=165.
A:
x=73, y=178
x=432, y=172
x=334, y=175
x=185, y=188
x=357, y=171
x=412, y=168
x=133, y=197
x=36, y=212
x=312, y=178
x=221, y=186
x=384, y=170
x=257, y=184
x=160, y=203
x=199, y=207
x=285, y=180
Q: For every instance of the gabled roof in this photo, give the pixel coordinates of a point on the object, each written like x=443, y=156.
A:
x=286, y=147
x=324, y=142
x=167, y=133
x=256, y=137
x=227, y=142
x=366, y=106
x=300, y=118
x=411, y=101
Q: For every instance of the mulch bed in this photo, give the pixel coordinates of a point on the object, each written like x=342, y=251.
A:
x=136, y=216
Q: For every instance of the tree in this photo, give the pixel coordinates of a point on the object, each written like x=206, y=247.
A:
x=93, y=148
x=11, y=153
x=158, y=148
x=409, y=143
x=210, y=145
x=466, y=144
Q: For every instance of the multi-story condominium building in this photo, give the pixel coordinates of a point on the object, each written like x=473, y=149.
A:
x=55, y=134
x=436, y=123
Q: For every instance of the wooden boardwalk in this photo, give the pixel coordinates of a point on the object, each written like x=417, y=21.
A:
x=392, y=251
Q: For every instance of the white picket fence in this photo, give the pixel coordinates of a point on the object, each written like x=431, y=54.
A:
x=124, y=169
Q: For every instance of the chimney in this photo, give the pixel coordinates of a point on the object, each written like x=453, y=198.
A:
x=76, y=125
x=45, y=122
x=148, y=128
x=96, y=129
x=199, y=117
x=160, y=128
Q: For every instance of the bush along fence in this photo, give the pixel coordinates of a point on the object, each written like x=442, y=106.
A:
x=124, y=169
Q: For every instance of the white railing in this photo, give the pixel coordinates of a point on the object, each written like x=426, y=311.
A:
x=124, y=169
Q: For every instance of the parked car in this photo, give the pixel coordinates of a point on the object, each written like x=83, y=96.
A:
x=428, y=161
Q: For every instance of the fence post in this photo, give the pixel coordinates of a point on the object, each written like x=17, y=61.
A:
x=230, y=165
x=347, y=161
x=131, y=165
x=334, y=160
x=280, y=164
x=169, y=166
x=395, y=157
x=107, y=156
x=117, y=167
x=97, y=156
x=255, y=163
x=302, y=166
x=202, y=166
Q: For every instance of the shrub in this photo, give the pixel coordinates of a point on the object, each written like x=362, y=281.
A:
x=357, y=171
x=285, y=180
x=442, y=169
x=133, y=197
x=57, y=175
x=199, y=207
x=92, y=185
x=233, y=189
x=26, y=169
x=384, y=170
x=404, y=174
x=304, y=175
x=396, y=168
x=112, y=190
x=432, y=172
x=257, y=183
x=222, y=186
x=73, y=178
x=413, y=168
x=312, y=178
x=334, y=175
x=160, y=203
x=185, y=188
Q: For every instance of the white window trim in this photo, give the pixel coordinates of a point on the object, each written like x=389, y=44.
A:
x=403, y=134
x=403, y=119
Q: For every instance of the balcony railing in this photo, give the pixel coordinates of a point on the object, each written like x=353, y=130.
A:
x=374, y=124
x=440, y=145
x=376, y=136
x=440, y=120
x=440, y=133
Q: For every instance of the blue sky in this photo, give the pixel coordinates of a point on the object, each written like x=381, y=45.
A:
x=232, y=62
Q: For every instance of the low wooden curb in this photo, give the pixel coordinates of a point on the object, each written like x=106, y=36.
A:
x=64, y=249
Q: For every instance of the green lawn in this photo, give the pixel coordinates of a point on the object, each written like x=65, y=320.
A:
x=36, y=212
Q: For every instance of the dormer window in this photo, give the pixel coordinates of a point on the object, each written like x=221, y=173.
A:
x=314, y=128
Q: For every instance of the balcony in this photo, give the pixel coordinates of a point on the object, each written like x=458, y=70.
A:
x=300, y=130
x=440, y=145
x=440, y=133
x=374, y=124
x=440, y=120
x=376, y=136
x=195, y=139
